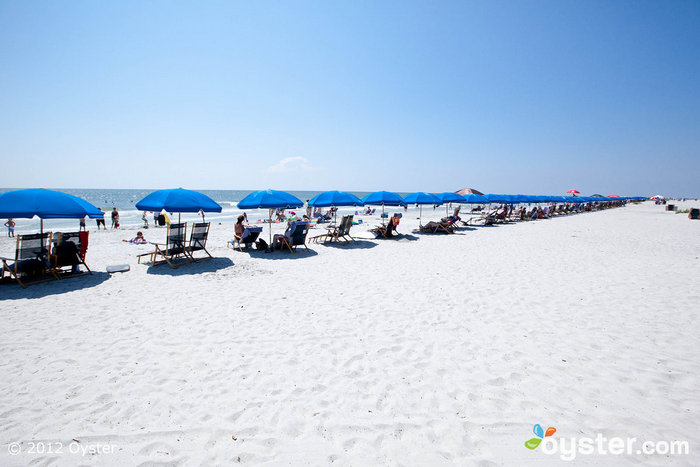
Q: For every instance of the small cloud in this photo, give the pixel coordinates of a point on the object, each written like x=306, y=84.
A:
x=290, y=164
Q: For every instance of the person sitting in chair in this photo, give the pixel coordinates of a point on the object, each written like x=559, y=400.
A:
x=278, y=239
x=443, y=225
x=391, y=227
x=66, y=253
x=503, y=214
x=241, y=232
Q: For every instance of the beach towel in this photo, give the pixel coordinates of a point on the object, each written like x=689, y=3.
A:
x=83, y=244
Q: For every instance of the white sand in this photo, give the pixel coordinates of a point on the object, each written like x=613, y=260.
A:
x=434, y=350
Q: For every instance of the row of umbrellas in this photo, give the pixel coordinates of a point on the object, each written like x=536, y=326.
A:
x=49, y=204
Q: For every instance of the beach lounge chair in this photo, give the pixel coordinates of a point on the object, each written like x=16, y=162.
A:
x=502, y=215
x=516, y=214
x=250, y=235
x=296, y=238
x=68, y=252
x=340, y=232
x=487, y=218
x=31, y=260
x=173, y=248
x=388, y=230
x=438, y=227
x=198, y=240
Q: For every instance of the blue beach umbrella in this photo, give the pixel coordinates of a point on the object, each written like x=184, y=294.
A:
x=329, y=199
x=496, y=198
x=334, y=199
x=270, y=199
x=475, y=199
x=383, y=198
x=420, y=198
x=448, y=197
x=45, y=204
x=178, y=200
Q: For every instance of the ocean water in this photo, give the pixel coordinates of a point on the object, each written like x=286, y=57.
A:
x=130, y=217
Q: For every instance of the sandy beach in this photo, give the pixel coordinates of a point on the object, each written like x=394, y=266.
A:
x=425, y=350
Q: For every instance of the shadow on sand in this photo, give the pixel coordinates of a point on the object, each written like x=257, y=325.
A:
x=356, y=245
x=185, y=269
x=12, y=290
x=299, y=253
x=402, y=238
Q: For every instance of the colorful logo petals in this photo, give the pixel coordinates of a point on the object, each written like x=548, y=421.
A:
x=540, y=433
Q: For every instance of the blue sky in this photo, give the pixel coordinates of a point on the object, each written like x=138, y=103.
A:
x=507, y=97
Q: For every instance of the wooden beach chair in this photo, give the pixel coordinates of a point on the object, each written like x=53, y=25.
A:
x=438, y=227
x=69, y=251
x=340, y=232
x=296, y=238
x=388, y=230
x=30, y=264
x=198, y=241
x=173, y=248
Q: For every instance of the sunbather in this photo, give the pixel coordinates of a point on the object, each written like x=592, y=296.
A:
x=138, y=239
x=442, y=226
x=501, y=216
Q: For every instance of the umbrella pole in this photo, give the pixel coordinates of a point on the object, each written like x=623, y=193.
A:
x=42, y=226
x=382, y=214
x=420, y=215
x=269, y=225
x=178, y=217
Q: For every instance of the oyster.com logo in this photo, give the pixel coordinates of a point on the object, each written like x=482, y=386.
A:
x=540, y=433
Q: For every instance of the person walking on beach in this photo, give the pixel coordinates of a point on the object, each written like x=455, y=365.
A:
x=10, y=224
x=115, y=218
x=145, y=220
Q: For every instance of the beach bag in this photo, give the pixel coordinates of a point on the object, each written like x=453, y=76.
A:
x=261, y=244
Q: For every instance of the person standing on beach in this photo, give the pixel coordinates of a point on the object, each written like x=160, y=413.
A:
x=145, y=220
x=10, y=224
x=82, y=225
x=115, y=218
x=101, y=221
